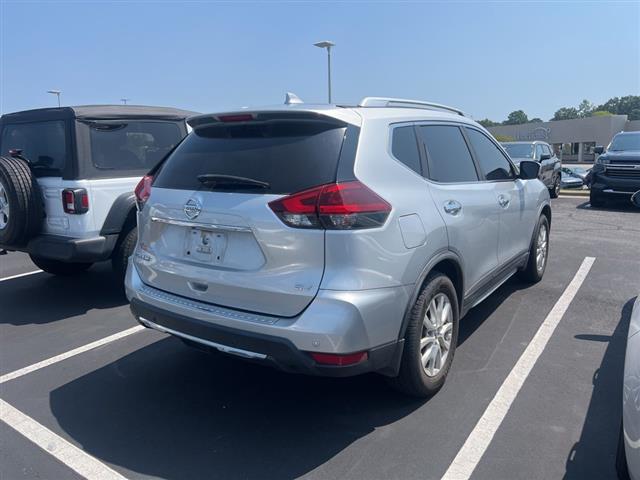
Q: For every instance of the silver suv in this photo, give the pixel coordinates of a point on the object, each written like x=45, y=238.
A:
x=334, y=240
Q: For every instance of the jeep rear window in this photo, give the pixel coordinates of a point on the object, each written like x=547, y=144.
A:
x=131, y=145
x=42, y=143
x=288, y=155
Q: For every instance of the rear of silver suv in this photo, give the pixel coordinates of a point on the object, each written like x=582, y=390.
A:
x=328, y=240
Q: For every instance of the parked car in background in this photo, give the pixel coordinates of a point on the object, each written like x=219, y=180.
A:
x=628, y=457
x=616, y=172
x=542, y=153
x=581, y=172
x=67, y=177
x=335, y=240
x=570, y=179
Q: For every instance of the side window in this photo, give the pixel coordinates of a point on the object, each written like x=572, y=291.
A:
x=43, y=143
x=492, y=162
x=547, y=151
x=405, y=148
x=538, y=151
x=447, y=153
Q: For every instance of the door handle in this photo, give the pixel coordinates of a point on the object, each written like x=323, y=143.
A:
x=452, y=207
x=503, y=201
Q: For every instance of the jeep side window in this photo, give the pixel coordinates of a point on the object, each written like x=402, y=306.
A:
x=493, y=163
x=539, y=151
x=42, y=143
x=547, y=151
x=405, y=148
x=448, y=157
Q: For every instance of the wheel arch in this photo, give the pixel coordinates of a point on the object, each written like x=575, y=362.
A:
x=121, y=215
x=447, y=263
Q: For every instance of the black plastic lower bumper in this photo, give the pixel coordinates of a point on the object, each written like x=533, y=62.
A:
x=606, y=185
x=280, y=352
x=69, y=249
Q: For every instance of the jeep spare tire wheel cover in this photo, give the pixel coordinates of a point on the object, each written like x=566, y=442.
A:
x=21, y=209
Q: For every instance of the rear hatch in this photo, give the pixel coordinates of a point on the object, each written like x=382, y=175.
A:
x=207, y=227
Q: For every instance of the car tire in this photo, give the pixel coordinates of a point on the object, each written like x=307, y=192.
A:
x=622, y=467
x=57, y=267
x=426, y=332
x=596, y=200
x=538, y=253
x=554, y=191
x=21, y=209
x=122, y=252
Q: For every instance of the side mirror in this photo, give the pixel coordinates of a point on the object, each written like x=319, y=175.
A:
x=545, y=156
x=599, y=150
x=635, y=199
x=529, y=170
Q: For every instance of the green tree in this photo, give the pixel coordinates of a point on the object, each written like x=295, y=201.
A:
x=601, y=113
x=535, y=120
x=503, y=138
x=486, y=123
x=516, y=117
x=585, y=108
x=565, y=113
x=629, y=105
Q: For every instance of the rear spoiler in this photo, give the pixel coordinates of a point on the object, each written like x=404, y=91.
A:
x=245, y=117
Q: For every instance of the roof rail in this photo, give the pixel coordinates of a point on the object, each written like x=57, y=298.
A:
x=403, y=102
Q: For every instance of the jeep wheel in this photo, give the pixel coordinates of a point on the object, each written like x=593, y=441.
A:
x=57, y=267
x=21, y=209
x=538, y=253
x=554, y=191
x=122, y=252
x=430, y=339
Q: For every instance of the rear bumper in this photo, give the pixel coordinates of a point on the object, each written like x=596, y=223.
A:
x=68, y=249
x=335, y=322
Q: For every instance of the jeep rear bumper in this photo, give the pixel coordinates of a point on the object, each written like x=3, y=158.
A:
x=68, y=249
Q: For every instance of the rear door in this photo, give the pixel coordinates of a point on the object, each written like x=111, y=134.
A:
x=467, y=206
x=221, y=243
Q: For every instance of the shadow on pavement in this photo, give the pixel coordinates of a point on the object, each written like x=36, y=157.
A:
x=593, y=456
x=44, y=298
x=176, y=413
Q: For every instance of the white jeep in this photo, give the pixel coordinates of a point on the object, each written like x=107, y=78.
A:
x=67, y=179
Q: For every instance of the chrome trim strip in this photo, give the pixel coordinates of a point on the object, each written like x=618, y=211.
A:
x=202, y=226
x=207, y=308
x=218, y=346
x=608, y=190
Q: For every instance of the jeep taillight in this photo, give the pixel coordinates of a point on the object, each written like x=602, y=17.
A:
x=335, y=206
x=143, y=190
x=75, y=201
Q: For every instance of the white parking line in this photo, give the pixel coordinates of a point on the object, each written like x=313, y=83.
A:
x=19, y=275
x=71, y=353
x=67, y=453
x=478, y=441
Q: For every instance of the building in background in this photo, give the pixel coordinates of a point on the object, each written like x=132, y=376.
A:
x=572, y=140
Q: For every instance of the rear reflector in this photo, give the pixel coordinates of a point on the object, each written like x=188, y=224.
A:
x=143, y=190
x=339, y=360
x=75, y=201
x=335, y=206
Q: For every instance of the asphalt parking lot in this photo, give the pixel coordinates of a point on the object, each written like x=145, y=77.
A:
x=149, y=407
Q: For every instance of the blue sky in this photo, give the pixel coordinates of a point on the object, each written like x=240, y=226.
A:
x=486, y=58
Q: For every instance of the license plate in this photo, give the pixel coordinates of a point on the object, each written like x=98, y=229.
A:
x=205, y=246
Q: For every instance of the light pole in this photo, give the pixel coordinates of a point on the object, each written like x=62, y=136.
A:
x=124, y=100
x=326, y=44
x=56, y=93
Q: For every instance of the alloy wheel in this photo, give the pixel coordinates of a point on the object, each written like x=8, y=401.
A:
x=4, y=207
x=542, y=247
x=437, y=330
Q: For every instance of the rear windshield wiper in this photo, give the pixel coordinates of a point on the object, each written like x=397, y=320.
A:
x=226, y=181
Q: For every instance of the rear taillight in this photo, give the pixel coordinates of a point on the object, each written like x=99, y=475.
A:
x=75, y=201
x=143, y=190
x=339, y=360
x=336, y=206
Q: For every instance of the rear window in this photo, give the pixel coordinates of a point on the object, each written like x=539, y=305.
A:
x=131, y=145
x=405, y=148
x=42, y=143
x=288, y=155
